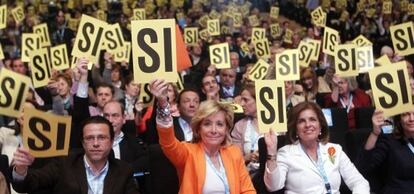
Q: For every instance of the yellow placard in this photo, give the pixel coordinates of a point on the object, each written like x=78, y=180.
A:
x=30, y=43
x=18, y=14
x=146, y=96
x=404, y=5
x=274, y=12
x=114, y=40
x=139, y=14
x=154, y=50
x=402, y=36
x=88, y=42
x=13, y=92
x=244, y=47
x=258, y=34
x=271, y=105
x=287, y=65
x=259, y=70
x=3, y=16
x=59, y=57
x=236, y=107
x=46, y=134
x=225, y=30
x=371, y=12
x=101, y=15
x=203, y=21
x=43, y=8
x=73, y=24
x=275, y=30
x=237, y=20
x=288, y=36
x=41, y=67
x=318, y=17
x=345, y=60
x=360, y=7
x=220, y=55
x=214, y=14
x=330, y=40
x=365, y=58
x=179, y=83
x=213, y=27
x=204, y=34
x=410, y=8
x=317, y=48
x=361, y=41
x=191, y=36
x=383, y=60
x=391, y=88
x=306, y=51
x=254, y=21
x=75, y=60
x=386, y=7
x=43, y=32
x=1, y=53
x=125, y=54
x=262, y=48
x=103, y=5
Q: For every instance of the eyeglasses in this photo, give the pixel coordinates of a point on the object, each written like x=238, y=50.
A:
x=100, y=138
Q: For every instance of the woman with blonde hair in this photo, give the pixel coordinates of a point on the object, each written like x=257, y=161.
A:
x=210, y=164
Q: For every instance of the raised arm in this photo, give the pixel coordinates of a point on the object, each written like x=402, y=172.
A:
x=378, y=121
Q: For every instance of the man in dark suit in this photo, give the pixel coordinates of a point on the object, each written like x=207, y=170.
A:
x=126, y=147
x=228, y=86
x=93, y=171
x=62, y=34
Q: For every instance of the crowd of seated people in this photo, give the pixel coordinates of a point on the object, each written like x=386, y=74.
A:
x=190, y=128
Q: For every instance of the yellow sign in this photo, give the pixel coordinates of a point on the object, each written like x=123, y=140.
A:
x=103, y=5
x=204, y=35
x=139, y=14
x=46, y=134
x=345, y=60
x=146, y=96
x=30, y=43
x=18, y=14
x=114, y=40
x=154, y=50
x=287, y=65
x=191, y=36
x=254, y=21
x=3, y=16
x=410, y=8
x=275, y=30
x=74, y=62
x=386, y=7
x=259, y=70
x=383, y=60
x=89, y=38
x=262, y=48
x=101, y=15
x=43, y=33
x=330, y=40
x=59, y=57
x=361, y=41
x=1, y=53
x=258, y=34
x=365, y=58
x=274, y=12
x=391, y=88
x=41, y=67
x=402, y=36
x=306, y=51
x=319, y=17
x=317, y=48
x=271, y=105
x=220, y=55
x=214, y=14
x=203, y=21
x=13, y=92
x=288, y=36
x=237, y=20
x=125, y=54
x=213, y=27
x=404, y=5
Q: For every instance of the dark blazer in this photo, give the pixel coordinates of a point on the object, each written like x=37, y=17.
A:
x=67, y=175
x=237, y=91
x=133, y=152
x=151, y=136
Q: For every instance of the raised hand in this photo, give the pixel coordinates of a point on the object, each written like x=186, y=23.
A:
x=158, y=88
x=22, y=159
x=378, y=120
x=271, y=142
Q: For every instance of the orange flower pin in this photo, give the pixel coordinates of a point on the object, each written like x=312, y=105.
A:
x=331, y=152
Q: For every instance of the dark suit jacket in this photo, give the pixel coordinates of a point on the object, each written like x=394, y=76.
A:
x=237, y=91
x=134, y=153
x=151, y=136
x=67, y=175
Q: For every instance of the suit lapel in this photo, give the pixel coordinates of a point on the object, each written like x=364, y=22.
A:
x=179, y=134
x=303, y=158
x=82, y=179
x=109, y=179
